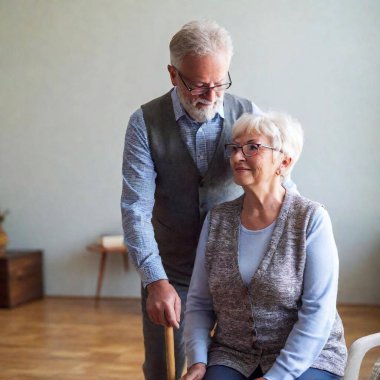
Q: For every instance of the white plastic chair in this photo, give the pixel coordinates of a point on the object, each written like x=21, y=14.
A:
x=356, y=354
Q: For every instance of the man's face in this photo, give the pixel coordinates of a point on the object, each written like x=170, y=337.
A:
x=201, y=71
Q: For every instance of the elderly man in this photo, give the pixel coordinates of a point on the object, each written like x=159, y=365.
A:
x=174, y=171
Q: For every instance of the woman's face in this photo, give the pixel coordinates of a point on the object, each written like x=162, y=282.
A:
x=259, y=169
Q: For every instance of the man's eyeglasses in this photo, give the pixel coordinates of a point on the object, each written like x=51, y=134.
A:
x=205, y=89
x=249, y=150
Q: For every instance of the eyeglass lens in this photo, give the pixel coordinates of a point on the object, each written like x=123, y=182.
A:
x=203, y=90
x=248, y=149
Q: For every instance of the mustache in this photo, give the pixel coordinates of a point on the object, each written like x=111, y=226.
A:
x=204, y=101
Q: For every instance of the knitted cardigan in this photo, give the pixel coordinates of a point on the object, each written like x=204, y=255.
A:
x=254, y=322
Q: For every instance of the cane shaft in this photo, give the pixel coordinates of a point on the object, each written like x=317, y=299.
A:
x=170, y=358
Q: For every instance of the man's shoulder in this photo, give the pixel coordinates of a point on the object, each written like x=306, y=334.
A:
x=156, y=102
x=159, y=112
x=137, y=116
x=236, y=99
x=241, y=104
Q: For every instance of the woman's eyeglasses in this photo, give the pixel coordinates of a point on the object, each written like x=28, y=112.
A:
x=248, y=150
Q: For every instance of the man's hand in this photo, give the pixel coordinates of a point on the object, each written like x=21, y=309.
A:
x=163, y=304
x=195, y=372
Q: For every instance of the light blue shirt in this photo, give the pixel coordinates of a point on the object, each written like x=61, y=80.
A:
x=252, y=248
x=139, y=177
x=318, y=310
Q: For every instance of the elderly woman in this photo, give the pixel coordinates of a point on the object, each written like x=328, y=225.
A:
x=266, y=273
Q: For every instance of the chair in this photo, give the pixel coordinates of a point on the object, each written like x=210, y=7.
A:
x=356, y=354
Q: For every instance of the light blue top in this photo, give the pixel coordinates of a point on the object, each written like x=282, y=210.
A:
x=139, y=175
x=318, y=310
x=252, y=247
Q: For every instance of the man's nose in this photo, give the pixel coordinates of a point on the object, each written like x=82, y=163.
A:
x=210, y=95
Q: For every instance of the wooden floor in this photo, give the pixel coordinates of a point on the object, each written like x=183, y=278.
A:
x=70, y=339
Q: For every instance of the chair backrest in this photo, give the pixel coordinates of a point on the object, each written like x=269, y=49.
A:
x=356, y=354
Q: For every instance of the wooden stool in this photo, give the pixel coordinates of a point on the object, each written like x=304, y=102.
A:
x=104, y=252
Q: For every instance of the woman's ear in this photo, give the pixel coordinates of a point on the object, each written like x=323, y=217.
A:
x=286, y=162
x=284, y=166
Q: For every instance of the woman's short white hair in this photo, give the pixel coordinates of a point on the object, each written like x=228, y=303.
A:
x=284, y=132
x=199, y=38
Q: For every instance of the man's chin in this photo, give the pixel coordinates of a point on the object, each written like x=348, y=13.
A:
x=202, y=117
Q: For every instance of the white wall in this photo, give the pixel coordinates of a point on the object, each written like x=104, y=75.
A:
x=71, y=73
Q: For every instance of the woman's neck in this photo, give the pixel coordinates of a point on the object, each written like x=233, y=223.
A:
x=261, y=206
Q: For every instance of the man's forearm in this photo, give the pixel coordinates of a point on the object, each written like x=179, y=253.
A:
x=137, y=201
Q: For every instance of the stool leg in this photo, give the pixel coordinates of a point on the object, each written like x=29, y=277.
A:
x=170, y=359
x=102, y=265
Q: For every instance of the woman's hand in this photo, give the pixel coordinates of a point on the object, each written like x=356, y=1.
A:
x=195, y=372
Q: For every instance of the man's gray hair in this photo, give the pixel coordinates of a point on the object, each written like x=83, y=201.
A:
x=199, y=38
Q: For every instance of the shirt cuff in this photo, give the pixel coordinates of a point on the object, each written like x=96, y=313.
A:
x=152, y=272
x=198, y=357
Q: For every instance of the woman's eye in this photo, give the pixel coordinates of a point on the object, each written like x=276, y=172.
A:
x=252, y=147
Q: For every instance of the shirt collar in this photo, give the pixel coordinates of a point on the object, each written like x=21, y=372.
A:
x=179, y=111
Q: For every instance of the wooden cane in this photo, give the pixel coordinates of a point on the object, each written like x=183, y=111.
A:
x=170, y=359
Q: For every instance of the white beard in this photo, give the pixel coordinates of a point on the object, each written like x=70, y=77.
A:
x=200, y=115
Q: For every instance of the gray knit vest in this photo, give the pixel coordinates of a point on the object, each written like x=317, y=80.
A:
x=182, y=196
x=254, y=322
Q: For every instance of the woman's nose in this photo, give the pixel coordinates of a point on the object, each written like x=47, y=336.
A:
x=237, y=155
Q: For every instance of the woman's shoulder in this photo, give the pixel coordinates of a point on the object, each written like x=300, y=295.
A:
x=228, y=206
x=302, y=207
x=299, y=200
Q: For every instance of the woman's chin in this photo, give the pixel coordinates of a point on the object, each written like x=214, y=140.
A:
x=241, y=181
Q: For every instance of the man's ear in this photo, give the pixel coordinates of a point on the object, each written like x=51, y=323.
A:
x=173, y=75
